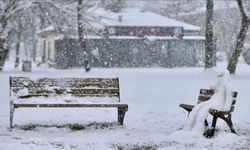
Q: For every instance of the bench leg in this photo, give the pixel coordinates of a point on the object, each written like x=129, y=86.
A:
x=12, y=109
x=206, y=123
x=210, y=132
x=121, y=114
x=229, y=122
x=214, y=122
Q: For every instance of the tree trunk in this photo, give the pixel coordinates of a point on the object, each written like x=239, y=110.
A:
x=238, y=47
x=17, y=60
x=3, y=50
x=209, y=53
x=245, y=22
x=81, y=37
x=3, y=53
x=44, y=51
x=34, y=50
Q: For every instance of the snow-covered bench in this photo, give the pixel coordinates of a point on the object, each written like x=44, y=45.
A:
x=205, y=94
x=66, y=92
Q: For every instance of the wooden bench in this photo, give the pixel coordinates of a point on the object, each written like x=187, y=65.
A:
x=205, y=94
x=66, y=92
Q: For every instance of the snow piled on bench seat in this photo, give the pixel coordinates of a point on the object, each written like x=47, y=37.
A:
x=66, y=99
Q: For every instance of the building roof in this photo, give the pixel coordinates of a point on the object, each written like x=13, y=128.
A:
x=132, y=17
x=137, y=17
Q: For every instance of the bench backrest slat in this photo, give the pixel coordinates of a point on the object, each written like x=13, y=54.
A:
x=205, y=94
x=65, y=82
x=24, y=87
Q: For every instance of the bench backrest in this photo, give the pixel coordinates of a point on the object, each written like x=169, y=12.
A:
x=205, y=94
x=24, y=87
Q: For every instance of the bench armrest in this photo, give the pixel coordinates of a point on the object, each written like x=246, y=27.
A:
x=187, y=107
x=218, y=112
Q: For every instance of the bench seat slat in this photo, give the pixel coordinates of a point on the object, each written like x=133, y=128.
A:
x=76, y=95
x=71, y=105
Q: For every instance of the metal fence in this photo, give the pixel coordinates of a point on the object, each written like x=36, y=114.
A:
x=131, y=52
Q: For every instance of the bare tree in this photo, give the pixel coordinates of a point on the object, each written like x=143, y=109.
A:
x=168, y=7
x=31, y=11
x=209, y=52
x=245, y=22
x=65, y=17
x=7, y=9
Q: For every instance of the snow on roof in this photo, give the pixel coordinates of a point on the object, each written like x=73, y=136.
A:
x=137, y=17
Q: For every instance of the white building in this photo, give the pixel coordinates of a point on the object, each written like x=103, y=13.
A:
x=128, y=23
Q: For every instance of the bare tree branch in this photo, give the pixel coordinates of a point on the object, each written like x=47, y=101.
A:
x=242, y=11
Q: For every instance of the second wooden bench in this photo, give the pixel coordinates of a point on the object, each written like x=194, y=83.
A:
x=205, y=95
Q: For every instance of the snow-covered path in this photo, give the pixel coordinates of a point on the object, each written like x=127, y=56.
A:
x=153, y=96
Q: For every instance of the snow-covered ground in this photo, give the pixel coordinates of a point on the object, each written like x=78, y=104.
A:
x=153, y=120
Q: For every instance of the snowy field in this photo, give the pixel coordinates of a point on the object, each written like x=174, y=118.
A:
x=153, y=96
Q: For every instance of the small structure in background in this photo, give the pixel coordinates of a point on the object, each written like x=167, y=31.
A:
x=131, y=38
x=26, y=66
